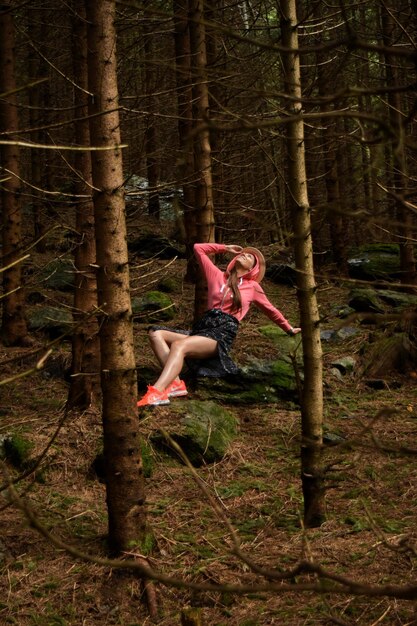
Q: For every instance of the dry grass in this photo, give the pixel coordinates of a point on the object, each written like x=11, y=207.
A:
x=369, y=534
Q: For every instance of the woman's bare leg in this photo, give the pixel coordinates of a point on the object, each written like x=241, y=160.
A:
x=161, y=341
x=194, y=346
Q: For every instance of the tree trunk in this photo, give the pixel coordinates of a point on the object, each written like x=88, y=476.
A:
x=85, y=365
x=124, y=471
x=14, y=328
x=151, y=141
x=202, y=150
x=312, y=393
x=399, y=161
x=37, y=157
x=185, y=125
x=331, y=158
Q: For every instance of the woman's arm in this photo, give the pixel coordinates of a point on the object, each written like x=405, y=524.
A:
x=272, y=312
x=201, y=251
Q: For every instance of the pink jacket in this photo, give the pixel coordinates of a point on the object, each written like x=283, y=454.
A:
x=220, y=295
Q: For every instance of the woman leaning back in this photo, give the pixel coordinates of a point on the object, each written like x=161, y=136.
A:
x=230, y=294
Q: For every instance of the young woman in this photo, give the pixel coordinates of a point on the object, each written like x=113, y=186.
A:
x=207, y=345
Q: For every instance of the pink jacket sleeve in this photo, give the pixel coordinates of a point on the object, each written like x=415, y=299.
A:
x=268, y=308
x=201, y=250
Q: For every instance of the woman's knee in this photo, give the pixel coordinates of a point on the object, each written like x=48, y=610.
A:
x=154, y=335
x=179, y=346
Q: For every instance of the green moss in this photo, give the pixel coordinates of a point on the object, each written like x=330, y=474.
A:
x=286, y=344
x=376, y=260
x=153, y=306
x=232, y=490
x=258, y=394
x=284, y=377
x=204, y=432
x=145, y=544
x=17, y=450
x=147, y=458
x=167, y=285
x=385, y=248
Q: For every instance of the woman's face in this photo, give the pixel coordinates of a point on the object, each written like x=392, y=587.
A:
x=246, y=260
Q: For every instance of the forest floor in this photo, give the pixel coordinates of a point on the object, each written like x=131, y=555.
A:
x=369, y=534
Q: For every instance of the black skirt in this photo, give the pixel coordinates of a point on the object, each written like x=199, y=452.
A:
x=219, y=326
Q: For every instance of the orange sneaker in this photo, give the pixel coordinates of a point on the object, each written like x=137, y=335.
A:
x=154, y=397
x=176, y=389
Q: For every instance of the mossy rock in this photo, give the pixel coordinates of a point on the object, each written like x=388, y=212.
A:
x=3, y=444
x=17, y=450
x=386, y=355
x=380, y=300
x=234, y=390
x=154, y=306
x=167, y=285
x=258, y=393
x=59, y=275
x=282, y=273
x=283, y=377
x=53, y=321
x=345, y=365
x=203, y=429
x=365, y=300
x=396, y=299
x=375, y=261
x=285, y=344
x=259, y=382
x=154, y=246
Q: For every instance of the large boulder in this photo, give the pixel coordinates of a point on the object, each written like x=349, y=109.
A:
x=59, y=275
x=259, y=382
x=389, y=354
x=283, y=273
x=51, y=320
x=375, y=262
x=154, y=246
x=365, y=300
x=203, y=430
x=380, y=300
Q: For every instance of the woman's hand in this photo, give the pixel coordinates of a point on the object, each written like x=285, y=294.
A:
x=234, y=249
x=295, y=331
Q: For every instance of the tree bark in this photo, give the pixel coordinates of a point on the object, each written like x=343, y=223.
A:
x=124, y=471
x=312, y=393
x=85, y=367
x=399, y=160
x=185, y=125
x=151, y=139
x=37, y=157
x=14, y=327
x=202, y=149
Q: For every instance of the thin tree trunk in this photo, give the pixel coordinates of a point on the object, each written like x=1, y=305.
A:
x=399, y=161
x=312, y=393
x=331, y=160
x=37, y=157
x=85, y=367
x=14, y=327
x=122, y=452
x=202, y=148
x=185, y=125
x=151, y=141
